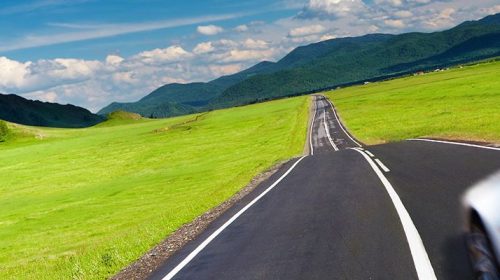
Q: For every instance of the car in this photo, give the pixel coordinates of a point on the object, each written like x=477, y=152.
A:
x=482, y=204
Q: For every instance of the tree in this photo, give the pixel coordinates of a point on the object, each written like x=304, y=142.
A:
x=4, y=131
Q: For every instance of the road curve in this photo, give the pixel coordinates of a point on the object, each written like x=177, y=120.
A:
x=382, y=212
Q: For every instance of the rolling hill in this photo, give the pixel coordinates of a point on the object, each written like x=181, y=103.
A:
x=460, y=104
x=180, y=99
x=324, y=65
x=14, y=108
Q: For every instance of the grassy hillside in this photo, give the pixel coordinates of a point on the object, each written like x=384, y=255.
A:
x=83, y=203
x=347, y=60
x=454, y=104
x=326, y=64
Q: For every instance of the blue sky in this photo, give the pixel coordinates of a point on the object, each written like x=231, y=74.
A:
x=92, y=52
x=45, y=19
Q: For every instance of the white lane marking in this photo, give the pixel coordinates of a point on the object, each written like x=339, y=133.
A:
x=382, y=165
x=312, y=127
x=340, y=124
x=456, y=143
x=421, y=260
x=200, y=247
x=328, y=132
x=369, y=153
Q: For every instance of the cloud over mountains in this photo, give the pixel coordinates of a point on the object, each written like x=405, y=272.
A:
x=212, y=49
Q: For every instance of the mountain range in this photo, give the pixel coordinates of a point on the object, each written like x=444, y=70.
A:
x=319, y=66
x=324, y=65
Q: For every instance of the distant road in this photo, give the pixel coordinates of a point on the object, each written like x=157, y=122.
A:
x=389, y=211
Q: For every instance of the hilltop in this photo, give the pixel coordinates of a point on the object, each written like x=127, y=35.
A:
x=324, y=65
x=14, y=108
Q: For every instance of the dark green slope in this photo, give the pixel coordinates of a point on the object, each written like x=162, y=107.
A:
x=16, y=109
x=326, y=64
x=179, y=99
x=355, y=60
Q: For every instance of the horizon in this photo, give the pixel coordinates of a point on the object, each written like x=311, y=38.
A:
x=99, y=57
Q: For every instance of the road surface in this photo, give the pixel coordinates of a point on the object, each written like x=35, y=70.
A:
x=390, y=211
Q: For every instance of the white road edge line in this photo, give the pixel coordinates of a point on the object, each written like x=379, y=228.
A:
x=455, y=143
x=369, y=153
x=423, y=265
x=328, y=132
x=311, y=128
x=209, y=239
x=340, y=124
x=382, y=165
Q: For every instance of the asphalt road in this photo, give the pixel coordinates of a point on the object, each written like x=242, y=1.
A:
x=391, y=211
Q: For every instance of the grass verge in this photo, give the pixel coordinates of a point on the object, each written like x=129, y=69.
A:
x=461, y=104
x=83, y=203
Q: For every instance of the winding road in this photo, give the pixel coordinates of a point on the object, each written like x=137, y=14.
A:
x=346, y=211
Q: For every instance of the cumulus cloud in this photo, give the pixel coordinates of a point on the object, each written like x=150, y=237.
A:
x=332, y=8
x=209, y=30
x=204, y=47
x=95, y=83
x=255, y=44
x=170, y=54
x=307, y=30
x=12, y=73
x=403, y=14
x=443, y=19
x=114, y=59
x=491, y=10
x=27, y=76
x=241, y=28
x=395, y=23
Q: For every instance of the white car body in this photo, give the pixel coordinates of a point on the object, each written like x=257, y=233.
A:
x=484, y=199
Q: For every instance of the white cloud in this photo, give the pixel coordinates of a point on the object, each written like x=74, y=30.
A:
x=204, y=47
x=12, y=73
x=491, y=10
x=332, y=8
x=94, y=84
x=124, y=77
x=209, y=30
x=443, y=19
x=241, y=28
x=246, y=55
x=255, y=44
x=327, y=37
x=46, y=96
x=114, y=60
x=170, y=54
x=390, y=2
x=306, y=30
x=403, y=14
x=223, y=70
x=43, y=74
x=396, y=23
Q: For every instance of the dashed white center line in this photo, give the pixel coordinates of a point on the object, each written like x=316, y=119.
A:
x=423, y=265
x=369, y=153
x=341, y=126
x=311, y=128
x=328, y=132
x=382, y=165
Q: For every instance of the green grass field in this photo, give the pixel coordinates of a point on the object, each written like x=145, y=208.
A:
x=84, y=203
x=461, y=104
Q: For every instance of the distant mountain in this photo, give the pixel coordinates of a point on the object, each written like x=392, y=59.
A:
x=16, y=109
x=179, y=99
x=327, y=64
